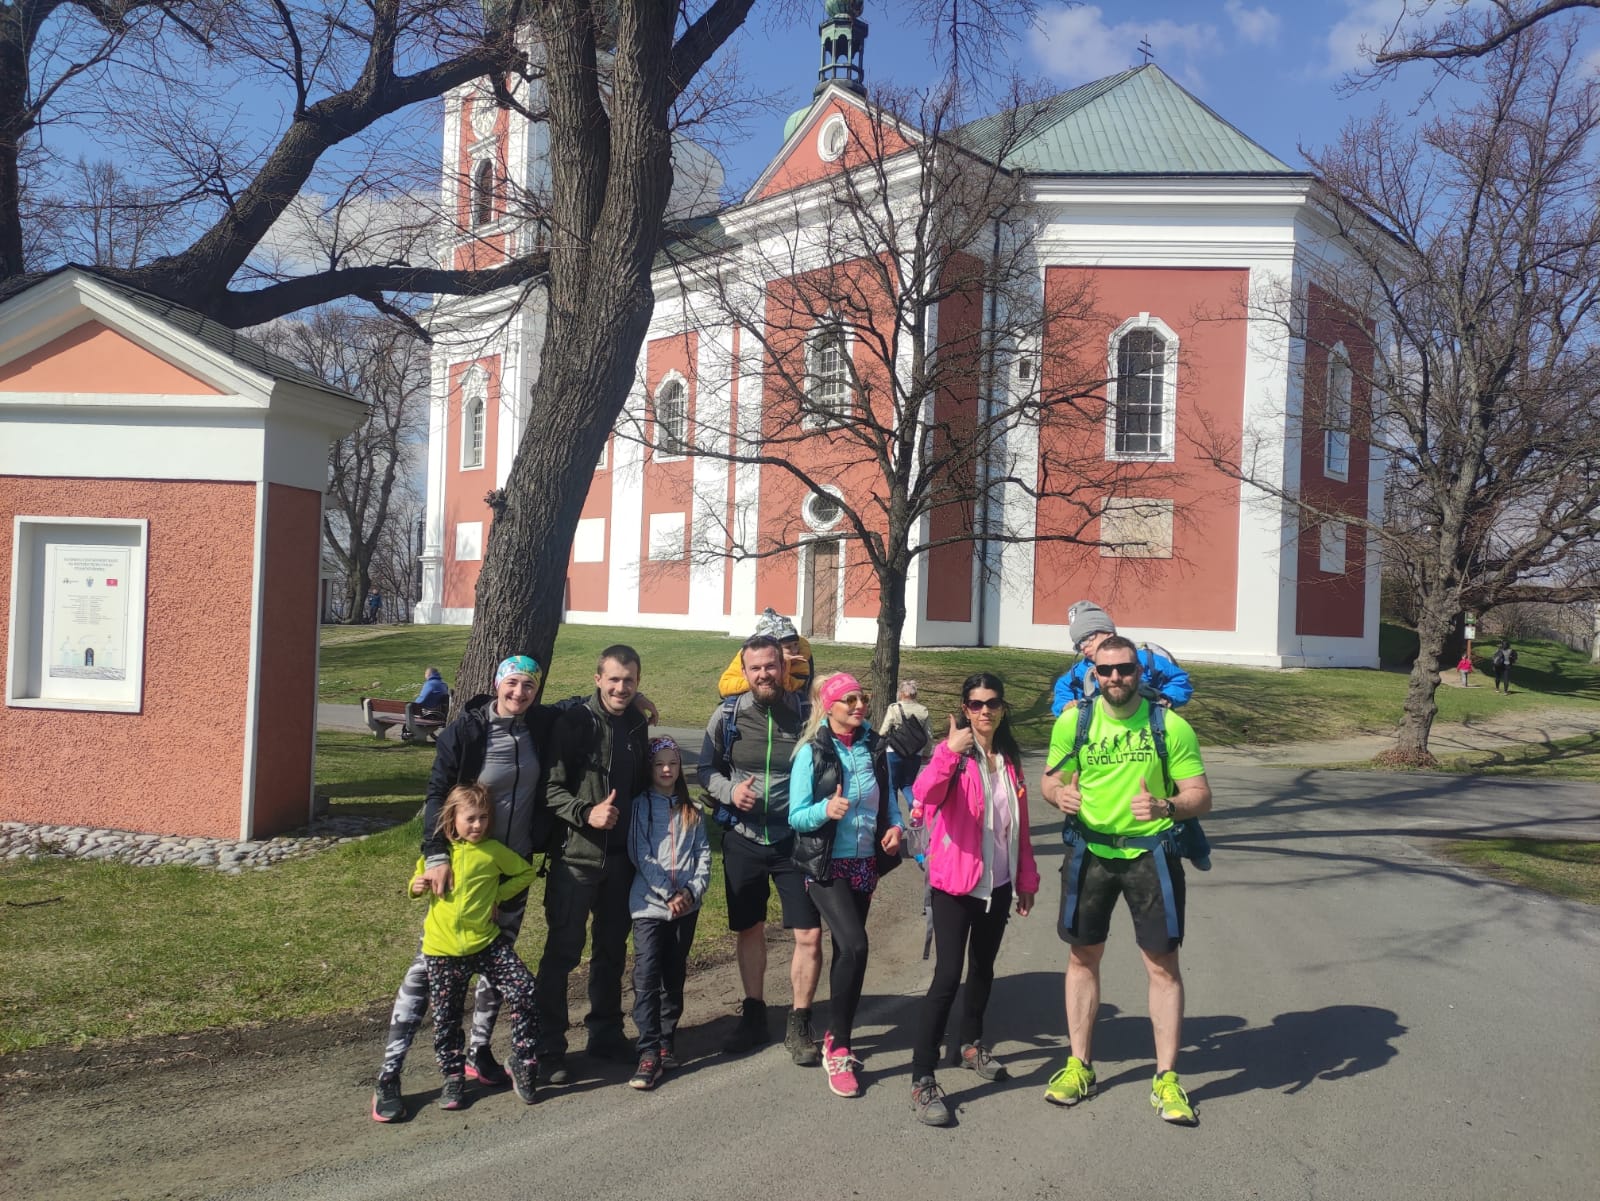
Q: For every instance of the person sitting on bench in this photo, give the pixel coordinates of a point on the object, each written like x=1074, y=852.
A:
x=435, y=695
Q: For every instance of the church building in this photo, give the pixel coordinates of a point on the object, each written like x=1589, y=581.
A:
x=1125, y=320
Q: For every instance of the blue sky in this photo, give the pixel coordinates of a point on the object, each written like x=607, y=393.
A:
x=1270, y=67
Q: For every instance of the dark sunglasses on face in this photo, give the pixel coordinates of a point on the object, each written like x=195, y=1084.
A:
x=992, y=703
x=1106, y=670
x=852, y=699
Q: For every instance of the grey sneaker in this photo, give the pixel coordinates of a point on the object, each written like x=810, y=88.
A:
x=799, y=1041
x=927, y=1103
x=454, y=1093
x=524, y=1078
x=387, y=1105
x=975, y=1057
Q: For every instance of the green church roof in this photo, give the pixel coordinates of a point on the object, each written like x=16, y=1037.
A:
x=1137, y=122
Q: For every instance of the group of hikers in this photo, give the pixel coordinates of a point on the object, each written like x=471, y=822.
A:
x=808, y=798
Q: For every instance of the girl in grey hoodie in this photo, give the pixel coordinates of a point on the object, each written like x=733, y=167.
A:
x=668, y=845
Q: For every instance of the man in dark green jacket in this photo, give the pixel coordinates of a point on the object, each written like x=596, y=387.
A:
x=598, y=764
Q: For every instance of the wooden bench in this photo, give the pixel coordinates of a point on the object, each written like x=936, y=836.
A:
x=416, y=724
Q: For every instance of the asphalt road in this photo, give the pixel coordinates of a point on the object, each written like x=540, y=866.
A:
x=1364, y=1021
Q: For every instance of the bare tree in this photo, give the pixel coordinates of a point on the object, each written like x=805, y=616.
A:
x=1463, y=32
x=368, y=518
x=1472, y=266
x=896, y=315
x=104, y=219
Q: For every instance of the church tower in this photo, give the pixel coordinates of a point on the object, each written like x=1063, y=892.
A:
x=844, y=39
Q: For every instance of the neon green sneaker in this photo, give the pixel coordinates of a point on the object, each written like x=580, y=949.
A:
x=1071, y=1084
x=1167, y=1097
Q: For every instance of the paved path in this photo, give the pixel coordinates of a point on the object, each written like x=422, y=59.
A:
x=1365, y=1021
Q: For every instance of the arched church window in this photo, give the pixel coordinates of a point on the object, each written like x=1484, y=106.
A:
x=483, y=193
x=1142, y=397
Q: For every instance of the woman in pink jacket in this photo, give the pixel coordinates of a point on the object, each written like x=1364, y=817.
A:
x=979, y=857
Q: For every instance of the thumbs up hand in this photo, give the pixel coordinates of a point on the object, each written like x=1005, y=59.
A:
x=1145, y=807
x=959, y=740
x=837, y=805
x=604, y=815
x=1064, y=795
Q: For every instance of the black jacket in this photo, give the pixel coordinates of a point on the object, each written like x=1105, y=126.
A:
x=579, y=776
x=458, y=758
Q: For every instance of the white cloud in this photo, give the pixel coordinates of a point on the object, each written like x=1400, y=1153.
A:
x=1360, y=31
x=1258, y=26
x=1077, y=44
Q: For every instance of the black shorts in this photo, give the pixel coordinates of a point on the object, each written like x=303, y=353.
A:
x=1101, y=881
x=747, y=865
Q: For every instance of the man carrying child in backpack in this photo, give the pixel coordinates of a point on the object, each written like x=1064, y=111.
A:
x=1161, y=680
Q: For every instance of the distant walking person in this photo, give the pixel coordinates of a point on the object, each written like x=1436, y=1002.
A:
x=1122, y=796
x=1465, y=668
x=374, y=605
x=980, y=858
x=909, y=738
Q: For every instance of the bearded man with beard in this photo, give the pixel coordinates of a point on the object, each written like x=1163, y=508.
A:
x=744, y=765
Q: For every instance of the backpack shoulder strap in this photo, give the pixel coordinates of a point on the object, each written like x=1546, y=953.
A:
x=1158, y=735
x=730, y=726
x=1081, y=735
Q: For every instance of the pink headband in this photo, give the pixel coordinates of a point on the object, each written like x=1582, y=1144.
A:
x=837, y=686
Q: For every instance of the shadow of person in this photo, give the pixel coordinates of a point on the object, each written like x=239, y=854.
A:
x=1292, y=1052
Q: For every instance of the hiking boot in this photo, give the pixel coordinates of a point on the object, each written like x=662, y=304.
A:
x=524, y=1078
x=454, y=1093
x=482, y=1067
x=553, y=1069
x=386, y=1103
x=1170, y=1101
x=649, y=1072
x=669, y=1058
x=1072, y=1084
x=751, y=1032
x=975, y=1057
x=927, y=1103
x=799, y=1041
x=841, y=1067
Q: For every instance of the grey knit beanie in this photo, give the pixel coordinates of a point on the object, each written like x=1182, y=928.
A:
x=1085, y=618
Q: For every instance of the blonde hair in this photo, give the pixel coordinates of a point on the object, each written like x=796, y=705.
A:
x=462, y=796
x=819, y=713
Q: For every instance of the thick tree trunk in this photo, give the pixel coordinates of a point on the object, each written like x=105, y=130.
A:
x=1416, y=724
x=885, y=670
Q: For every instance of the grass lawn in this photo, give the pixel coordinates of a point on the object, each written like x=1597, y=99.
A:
x=1562, y=758
x=104, y=951
x=1554, y=866
x=1232, y=705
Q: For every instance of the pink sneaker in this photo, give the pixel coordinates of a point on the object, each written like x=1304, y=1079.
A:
x=841, y=1067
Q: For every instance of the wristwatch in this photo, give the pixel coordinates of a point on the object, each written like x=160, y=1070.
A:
x=1172, y=809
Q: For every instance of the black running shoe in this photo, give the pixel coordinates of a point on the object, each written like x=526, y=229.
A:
x=751, y=1032
x=524, y=1078
x=799, y=1040
x=482, y=1067
x=454, y=1093
x=553, y=1069
x=669, y=1058
x=386, y=1103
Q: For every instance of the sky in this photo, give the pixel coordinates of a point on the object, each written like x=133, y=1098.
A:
x=1270, y=68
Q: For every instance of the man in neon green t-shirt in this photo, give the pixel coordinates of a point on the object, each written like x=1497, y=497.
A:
x=1120, y=800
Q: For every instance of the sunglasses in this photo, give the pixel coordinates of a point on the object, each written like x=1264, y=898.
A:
x=1106, y=670
x=851, y=700
x=992, y=703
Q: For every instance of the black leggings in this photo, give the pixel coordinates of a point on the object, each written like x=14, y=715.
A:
x=845, y=912
x=965, y=931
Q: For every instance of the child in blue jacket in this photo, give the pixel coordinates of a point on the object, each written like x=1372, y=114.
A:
x=1160, y=680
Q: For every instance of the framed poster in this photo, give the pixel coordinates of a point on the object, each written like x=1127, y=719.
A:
x=77, y=613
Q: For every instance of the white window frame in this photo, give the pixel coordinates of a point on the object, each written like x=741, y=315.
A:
x=1169, y=390
x=826, y=150
x=817, y=417
x=1336, y=415
x=809, y=514
x=474, y=409
x=475, y=194
x=658, y=442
